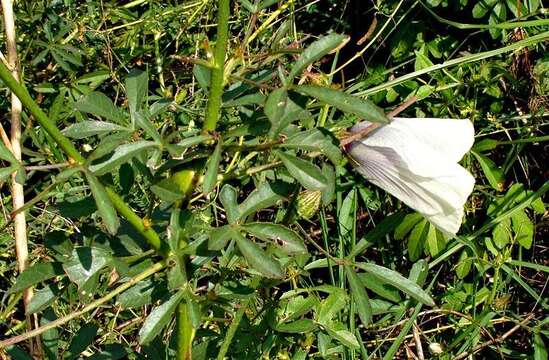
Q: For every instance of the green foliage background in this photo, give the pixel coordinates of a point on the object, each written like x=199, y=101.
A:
x=253, y=237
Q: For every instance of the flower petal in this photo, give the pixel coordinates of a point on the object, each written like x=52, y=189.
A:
x=429, y=147
x=434, y=197
x=451, y=137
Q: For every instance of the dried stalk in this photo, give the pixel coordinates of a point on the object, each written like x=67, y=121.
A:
x=18, y=196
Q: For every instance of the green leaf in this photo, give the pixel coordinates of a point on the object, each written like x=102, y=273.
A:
x=81, y=340
x=89, y=128
x=275, y=106
x=184, y=144
x=315, y=140
x=330, y=306
x=228, y=196
x=498, y=15
x=501, y=233
x=306, y=173
x=16, y=353
x=5, y=154
x=422, y=61
x=104, y=205
x=159, y=317
x=95, y=78
x=42, y=298
x=110, y=352
x=85, y=263
x=257, y=258
x=485, y=145
x=329, y=193
x=281, y=110
x=145, y=123
x=202, y=75
x=298, y=306
x=289, y=241
x=341, y=334
x=167, y=190
x=212, y=169
x=400, y=282
x=416, y=240
x=493, y=173
x=382, y=229
x=464, y=264
x=121, y=155
x=143, y=293
x=6, y=172
x=435, y=241
x=481, y=8
x=345, y=102
x=50, y=338
x=384, y=290
x=360, y=296
x=302, y=326
x=100, y=105
x=248, y=5
x=220, y=236
x=523, y=228
x=316, y=51
x=36, y=273
x=407, y=225
x=137, y=86
x=540, y=350
x=266, y=194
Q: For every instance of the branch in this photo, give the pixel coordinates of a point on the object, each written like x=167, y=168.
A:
x=62, y=320
x=496, y=340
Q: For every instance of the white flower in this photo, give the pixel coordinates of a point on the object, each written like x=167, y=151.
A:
x=416, y=160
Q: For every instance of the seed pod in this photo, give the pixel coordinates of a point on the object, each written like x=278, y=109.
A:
x=308, y=203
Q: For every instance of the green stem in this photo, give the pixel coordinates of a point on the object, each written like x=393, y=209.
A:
x=62, y=320
x=216, y=82
x=146, y=230
x=39, y=115
x=64, y=143
x=185, y=332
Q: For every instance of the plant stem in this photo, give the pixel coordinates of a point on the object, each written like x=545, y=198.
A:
x=23, y=95
x=185, y=332
x=216, y=82
x=147, y=231
x=75, y=157
x=62, y=320
x=18, y=191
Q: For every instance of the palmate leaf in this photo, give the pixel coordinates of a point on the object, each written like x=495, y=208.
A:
x=288, y=240
x=304, y=171
x=85, y=262
x=100, y=105
x=266, y=194
x=137, y=86
x=345, y=102
x=35, y=274
x=316, y=51
x=257, y=258
x=122, y=154
x=89, y=128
